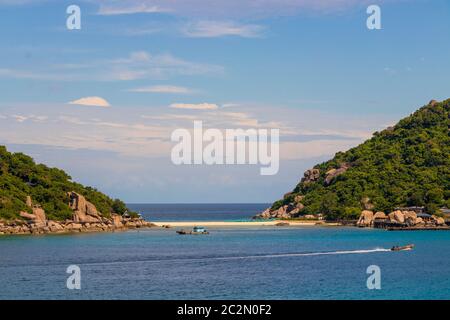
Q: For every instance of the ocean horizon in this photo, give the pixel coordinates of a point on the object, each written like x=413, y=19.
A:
x=198, y=211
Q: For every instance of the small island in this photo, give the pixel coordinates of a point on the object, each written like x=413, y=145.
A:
x=397, y=180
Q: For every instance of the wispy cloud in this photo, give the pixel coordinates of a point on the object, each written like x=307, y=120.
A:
x=130, y=7
x=212, y=29
x=192, y=106
x=229, y=8
x=91, y=101
x=163, y=89
x=137, y=65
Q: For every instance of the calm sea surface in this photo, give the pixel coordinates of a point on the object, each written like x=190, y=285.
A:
x=230, y=263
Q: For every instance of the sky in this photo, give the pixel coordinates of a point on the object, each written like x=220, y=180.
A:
x=101, y=102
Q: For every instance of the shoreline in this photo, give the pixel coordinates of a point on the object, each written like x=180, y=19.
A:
x=176, y=224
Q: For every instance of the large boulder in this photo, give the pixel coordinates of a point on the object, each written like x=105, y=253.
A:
x=37, y=218
x=365, y=219
x=438, y=220
x=311, y=175
x=55, y=226
x=397, y=217
x=333, y=173
x=84, y=211
x=281, y=213
x=380, y=216
x=117, y=221
x=410, y=217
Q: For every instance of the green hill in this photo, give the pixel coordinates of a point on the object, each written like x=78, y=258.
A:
x=20, y=177
x=404, y=165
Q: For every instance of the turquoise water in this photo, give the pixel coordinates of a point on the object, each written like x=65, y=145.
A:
x=199, y=211
x=239, y=263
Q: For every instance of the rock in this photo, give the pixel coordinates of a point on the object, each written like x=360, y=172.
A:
x=432, y=103
x=309, y=217
x=40, y=214
x=298, y=198
x=410, y=217
x=282, y=213
x=333, y=173
x=367, y=205
x=29, y=202
x=399, y=216
x=117, y=221
x=55, y=226
x=365, y=219
x=410, y=214
x=311, y=175
x=130, y=224
x=380, y=215
x=37, y=217
x=84, y=211
x=264, y=215
x=27, y=215
x=438, y=220
x=74, y=226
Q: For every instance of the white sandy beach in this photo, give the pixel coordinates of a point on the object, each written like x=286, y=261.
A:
x=230, y=223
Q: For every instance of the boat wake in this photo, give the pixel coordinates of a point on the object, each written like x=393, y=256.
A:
x=244, y=257
x=305, y=254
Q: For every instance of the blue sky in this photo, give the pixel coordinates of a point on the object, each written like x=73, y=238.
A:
x=310, y=68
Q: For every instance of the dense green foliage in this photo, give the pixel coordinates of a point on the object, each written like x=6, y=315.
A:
x=406, y=165
x=20, y=176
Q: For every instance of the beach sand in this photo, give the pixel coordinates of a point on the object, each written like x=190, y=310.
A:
x=231, y=223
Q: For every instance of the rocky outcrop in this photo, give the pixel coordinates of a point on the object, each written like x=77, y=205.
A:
x=37, y=218
x=85, y=219
x=287, y=211
x=399, y=219
x=333, y=173
x=291, y=210
x=380, y=216
x=83, y=210
x=365, y=219
x=311, y=175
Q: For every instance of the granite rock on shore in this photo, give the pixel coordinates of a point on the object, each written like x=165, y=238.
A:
x=85, y=218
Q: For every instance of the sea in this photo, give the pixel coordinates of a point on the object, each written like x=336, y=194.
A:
x=265, y=262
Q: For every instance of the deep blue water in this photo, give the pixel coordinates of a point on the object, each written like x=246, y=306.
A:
x=198, y=212
x=230, y=263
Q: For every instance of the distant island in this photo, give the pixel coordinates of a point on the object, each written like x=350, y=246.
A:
x=36, y=199
x=398, y=178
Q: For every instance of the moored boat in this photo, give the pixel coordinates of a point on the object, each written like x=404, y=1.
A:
x=195, y=230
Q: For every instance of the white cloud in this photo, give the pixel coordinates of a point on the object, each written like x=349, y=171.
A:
x=91, y=101
x=137, y=65
x=191, y=106
x=163, y=89
x=129, y=8
x=212, y=29
x=22, y=118
x=230, y=8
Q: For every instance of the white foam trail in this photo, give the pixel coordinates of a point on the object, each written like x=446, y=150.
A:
x=266, y=256
x=281, y=255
